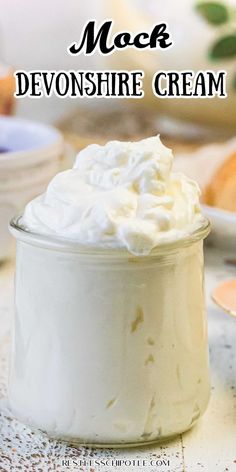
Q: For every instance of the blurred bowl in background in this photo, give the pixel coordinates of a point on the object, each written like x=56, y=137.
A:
x=223, y=222
x=30, y=155
x=206, y=165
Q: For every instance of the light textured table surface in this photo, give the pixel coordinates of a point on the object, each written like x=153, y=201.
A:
x=210, y=446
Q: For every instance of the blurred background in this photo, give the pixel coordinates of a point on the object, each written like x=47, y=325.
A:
x=35, y=35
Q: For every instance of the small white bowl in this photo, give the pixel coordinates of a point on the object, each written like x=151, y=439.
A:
x=29, y=157
x=223, y=222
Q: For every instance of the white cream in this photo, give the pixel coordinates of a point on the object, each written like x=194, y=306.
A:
x=118, y=195
x=111, y=348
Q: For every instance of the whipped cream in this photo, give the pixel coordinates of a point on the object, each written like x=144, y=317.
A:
x=111, y=350
x=121, y=195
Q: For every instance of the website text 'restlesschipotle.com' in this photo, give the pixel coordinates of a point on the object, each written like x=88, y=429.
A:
x=118, y=463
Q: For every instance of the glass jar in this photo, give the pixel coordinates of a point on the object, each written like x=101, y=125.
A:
x=109, y=349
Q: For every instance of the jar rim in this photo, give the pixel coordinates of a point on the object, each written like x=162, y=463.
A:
x=64, y=244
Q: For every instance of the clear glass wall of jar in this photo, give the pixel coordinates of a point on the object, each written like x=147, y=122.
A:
x=109, y=349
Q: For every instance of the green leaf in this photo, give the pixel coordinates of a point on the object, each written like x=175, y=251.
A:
x=224, y=48
x=234, y=83
x=215, y=13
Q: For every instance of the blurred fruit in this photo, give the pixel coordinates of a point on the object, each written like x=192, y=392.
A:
x=7, y=89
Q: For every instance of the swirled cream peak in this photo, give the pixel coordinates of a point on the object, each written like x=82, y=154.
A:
x=121, y=195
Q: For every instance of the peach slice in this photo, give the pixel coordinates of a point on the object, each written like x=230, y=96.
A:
x=224, y=295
